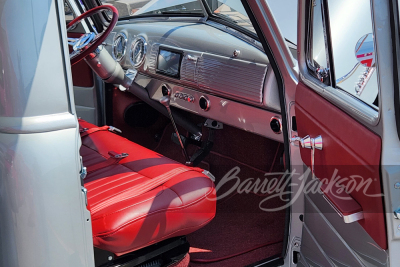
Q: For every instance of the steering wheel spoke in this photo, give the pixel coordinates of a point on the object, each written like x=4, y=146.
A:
x=88, y=42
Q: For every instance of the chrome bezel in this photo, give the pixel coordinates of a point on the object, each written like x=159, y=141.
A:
x=134, y=42
x=207, y=101
x=125, y=38
x=280, y=124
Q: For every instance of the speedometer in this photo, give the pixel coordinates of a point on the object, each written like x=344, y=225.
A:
x=138, y=51
x=119, y=46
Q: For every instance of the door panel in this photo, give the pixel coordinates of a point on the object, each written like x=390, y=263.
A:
x=321, y=231
x=354, y=240
x=349, y=149
x=311, y=247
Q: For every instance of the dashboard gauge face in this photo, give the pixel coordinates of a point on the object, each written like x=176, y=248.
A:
x=138, y=51
x=119, y=46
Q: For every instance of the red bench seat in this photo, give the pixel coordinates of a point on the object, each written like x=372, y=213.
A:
x=122, y=220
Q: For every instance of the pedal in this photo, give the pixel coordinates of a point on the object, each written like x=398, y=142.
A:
x=205, y=149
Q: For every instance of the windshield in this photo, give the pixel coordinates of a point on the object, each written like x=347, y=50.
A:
x=229, y=10
x=129, y=8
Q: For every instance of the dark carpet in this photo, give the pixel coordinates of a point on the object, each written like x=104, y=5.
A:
x=240, y=225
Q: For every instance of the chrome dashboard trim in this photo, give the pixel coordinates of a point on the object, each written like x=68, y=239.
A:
x=131, y=51
x=207, y=101
x=152, y=65
x=280, y=123
x=189, y=66
x=125, y=37
x=232, y=77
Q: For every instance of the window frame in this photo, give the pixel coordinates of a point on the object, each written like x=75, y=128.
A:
x=327, y=40
x=355, y=107
x=331, y=82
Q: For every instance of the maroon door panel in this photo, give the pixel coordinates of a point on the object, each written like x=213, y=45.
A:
x=350, y=151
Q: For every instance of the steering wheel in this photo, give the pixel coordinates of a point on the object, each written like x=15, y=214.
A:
x=87, y=43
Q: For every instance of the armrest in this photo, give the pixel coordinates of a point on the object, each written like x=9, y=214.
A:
x=345, y=206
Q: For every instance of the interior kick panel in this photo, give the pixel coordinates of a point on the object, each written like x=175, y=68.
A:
x=348, y=147
x=230, y=112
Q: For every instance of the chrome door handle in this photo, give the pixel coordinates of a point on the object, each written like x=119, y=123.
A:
x=317, y=142
x=308, y=142
x=312, y=143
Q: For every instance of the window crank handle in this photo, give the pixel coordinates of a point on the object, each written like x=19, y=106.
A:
x=312, y=143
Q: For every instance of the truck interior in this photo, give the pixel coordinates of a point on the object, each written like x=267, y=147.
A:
x=172, y=159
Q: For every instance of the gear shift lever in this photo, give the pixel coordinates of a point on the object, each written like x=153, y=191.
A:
x=165, y=100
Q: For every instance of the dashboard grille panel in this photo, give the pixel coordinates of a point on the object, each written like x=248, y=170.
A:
x=188, y=69
x=242, y=79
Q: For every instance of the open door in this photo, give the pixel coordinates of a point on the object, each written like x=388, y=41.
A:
x=337, y=111
x=334, y=114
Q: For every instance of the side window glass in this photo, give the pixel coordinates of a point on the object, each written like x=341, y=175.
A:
x=351, y=49
x=318, y=53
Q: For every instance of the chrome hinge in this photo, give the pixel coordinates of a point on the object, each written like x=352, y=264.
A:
x=397, y=214
x=83, y=171
x=84, y=191
x=322, y=73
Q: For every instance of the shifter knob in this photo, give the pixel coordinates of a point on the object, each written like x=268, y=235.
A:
x=165, y=100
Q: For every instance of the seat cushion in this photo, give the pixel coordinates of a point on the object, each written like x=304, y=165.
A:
x=123, y=221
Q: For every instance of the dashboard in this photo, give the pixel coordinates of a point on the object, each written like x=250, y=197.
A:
x=207, y=68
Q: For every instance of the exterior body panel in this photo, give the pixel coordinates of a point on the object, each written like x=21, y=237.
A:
x=44, y=221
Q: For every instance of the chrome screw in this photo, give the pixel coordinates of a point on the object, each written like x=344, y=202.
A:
x=397, y=185
x=236, y=53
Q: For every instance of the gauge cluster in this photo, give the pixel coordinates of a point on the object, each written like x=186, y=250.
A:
x=128, y=50
x=119, y=46
x=138, y=51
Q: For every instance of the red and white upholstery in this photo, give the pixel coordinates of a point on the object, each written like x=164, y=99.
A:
x=123, y=221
